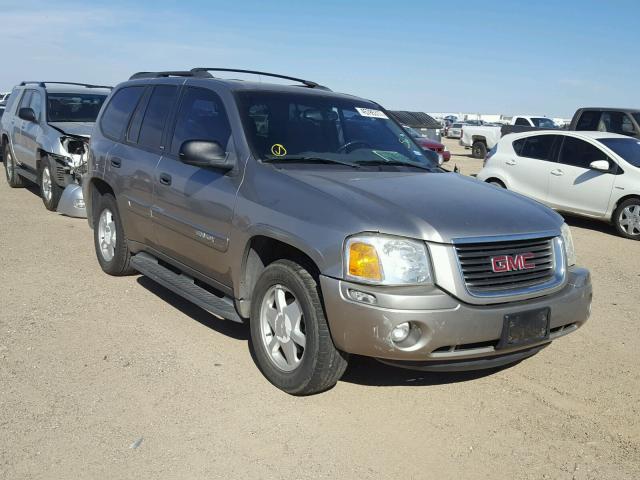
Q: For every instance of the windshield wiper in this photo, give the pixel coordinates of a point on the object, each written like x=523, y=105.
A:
x=308, y=159
x=396, y=163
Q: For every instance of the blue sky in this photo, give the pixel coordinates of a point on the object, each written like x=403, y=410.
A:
x=538, y=57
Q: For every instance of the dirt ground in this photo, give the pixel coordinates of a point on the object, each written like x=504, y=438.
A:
x=105, y=377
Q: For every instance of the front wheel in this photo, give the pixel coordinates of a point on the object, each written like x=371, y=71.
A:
x=50, y=191
x=289, y=331
x=626, y=218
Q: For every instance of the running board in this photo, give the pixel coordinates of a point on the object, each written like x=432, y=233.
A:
x=184, y=286
x=28, y=174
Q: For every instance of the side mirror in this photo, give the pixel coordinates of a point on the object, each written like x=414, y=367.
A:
x=600, y=165
x=205, y=153
x=27, y=114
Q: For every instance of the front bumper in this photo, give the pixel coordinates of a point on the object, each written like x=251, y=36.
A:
x=72, y=202
x=449, y=333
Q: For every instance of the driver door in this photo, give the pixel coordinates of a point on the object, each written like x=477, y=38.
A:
x=573, y=186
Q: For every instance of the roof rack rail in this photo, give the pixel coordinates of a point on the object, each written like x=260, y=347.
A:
x=170, y=73
x=44, y=84
x=306, y=83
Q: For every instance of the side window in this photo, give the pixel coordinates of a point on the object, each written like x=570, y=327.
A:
x=155, y=117
x=579, y=153
x=25, y=100
x=518, y=145
x=116, y=116
x=523, y=122
x=201, y=117
x=539, y=147
x=627, y=126
x=588, y=120
x=36, y=103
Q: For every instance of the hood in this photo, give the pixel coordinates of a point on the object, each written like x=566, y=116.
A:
x=82, y=129
x=436, y=207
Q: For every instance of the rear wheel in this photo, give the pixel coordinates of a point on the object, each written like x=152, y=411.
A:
x=289, y=331
x=13, y=178
x=496, y=183
x=626, y=218
x=109, y=240
x=479, y=149
x=50, y=191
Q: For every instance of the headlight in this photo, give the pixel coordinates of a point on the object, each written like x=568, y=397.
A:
x=567, y=240
x=386, y=260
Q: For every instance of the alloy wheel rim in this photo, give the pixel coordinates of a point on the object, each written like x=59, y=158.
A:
x=46, y=183
x=107, y=235
x=282, y=328
x=9, y=166
x=630, y=220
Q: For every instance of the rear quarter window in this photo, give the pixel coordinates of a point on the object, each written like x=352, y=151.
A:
x=116, y=116
x=518, y=145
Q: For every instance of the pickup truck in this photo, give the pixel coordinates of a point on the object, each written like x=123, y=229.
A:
x=481, y=139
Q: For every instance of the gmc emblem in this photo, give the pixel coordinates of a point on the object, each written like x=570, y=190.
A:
x=508, y=263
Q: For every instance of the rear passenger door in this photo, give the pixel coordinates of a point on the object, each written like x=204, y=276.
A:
x=529, y=168
x=573, y=186
x=193, y=206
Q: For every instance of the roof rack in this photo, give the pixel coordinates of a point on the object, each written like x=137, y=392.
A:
x=170, y=73
x=44, y=84
x=306, y=83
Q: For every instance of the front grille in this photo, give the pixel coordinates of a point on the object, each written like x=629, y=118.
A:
x=477, y=268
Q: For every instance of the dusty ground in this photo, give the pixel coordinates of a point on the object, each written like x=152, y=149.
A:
x=105, y=377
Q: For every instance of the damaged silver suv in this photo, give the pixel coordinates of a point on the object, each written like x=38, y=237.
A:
x=315, y=217
x=45, y=134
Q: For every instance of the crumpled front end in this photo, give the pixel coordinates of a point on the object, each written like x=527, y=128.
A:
x=70, y=166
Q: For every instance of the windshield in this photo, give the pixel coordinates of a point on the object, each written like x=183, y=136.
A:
x=73, y=107
x=627, y=148
x=542, y=122
x=413, y=132
x=325, y=130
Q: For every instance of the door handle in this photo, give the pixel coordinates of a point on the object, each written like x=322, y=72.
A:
x=165, y=179
x=511, y=161
x=116, y=162
x=557, y=172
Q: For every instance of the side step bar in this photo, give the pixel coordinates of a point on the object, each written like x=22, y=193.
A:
x=28, y=174
x=184, y=286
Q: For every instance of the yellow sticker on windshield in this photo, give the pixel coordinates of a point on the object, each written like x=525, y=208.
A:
x=278, y=150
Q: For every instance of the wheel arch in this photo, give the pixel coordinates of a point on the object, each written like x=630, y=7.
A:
x=95, y=188
x=261, y=251
x=620, y=201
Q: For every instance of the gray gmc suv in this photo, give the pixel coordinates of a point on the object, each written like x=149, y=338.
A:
x=315, y=217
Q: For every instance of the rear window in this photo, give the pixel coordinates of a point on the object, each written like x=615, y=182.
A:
x=116, y=117
x=627, y=148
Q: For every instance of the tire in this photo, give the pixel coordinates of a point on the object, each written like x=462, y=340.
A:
x=496, y=183
x=319, y=363
x=113, y=253
x=626, y=218
x=479, y=149
x=50, y=191
x=13, y=178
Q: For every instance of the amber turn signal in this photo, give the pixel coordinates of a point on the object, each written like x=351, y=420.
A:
x=364, y=261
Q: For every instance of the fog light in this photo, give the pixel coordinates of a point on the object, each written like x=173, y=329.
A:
x=78, y=203
x=400, y=332
x=362, y=297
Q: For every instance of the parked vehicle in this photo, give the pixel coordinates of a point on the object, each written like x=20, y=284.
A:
x=483, y=138
x=4, y=97
x=426, y=143
x=593, y=174
x=45, y=134
x=625, y=121
x=312, y=215
x=455, y=130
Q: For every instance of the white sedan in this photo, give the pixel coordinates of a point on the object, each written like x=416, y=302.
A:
x=593, y=174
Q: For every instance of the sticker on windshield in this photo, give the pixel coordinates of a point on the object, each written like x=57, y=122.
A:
x=370, y=112
x=278, y=150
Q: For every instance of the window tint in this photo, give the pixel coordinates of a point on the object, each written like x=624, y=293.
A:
x=539, y=147
x=36, y=103
x=26, y=99
x=616, y=122
x=518, y=145
x=74, y=107
x=579, y=153
x=627, y=148
x=201, y=117
x=588, y=120
x=523, y=122
x=116, y=116
x=155, y=117
x=636, y=116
